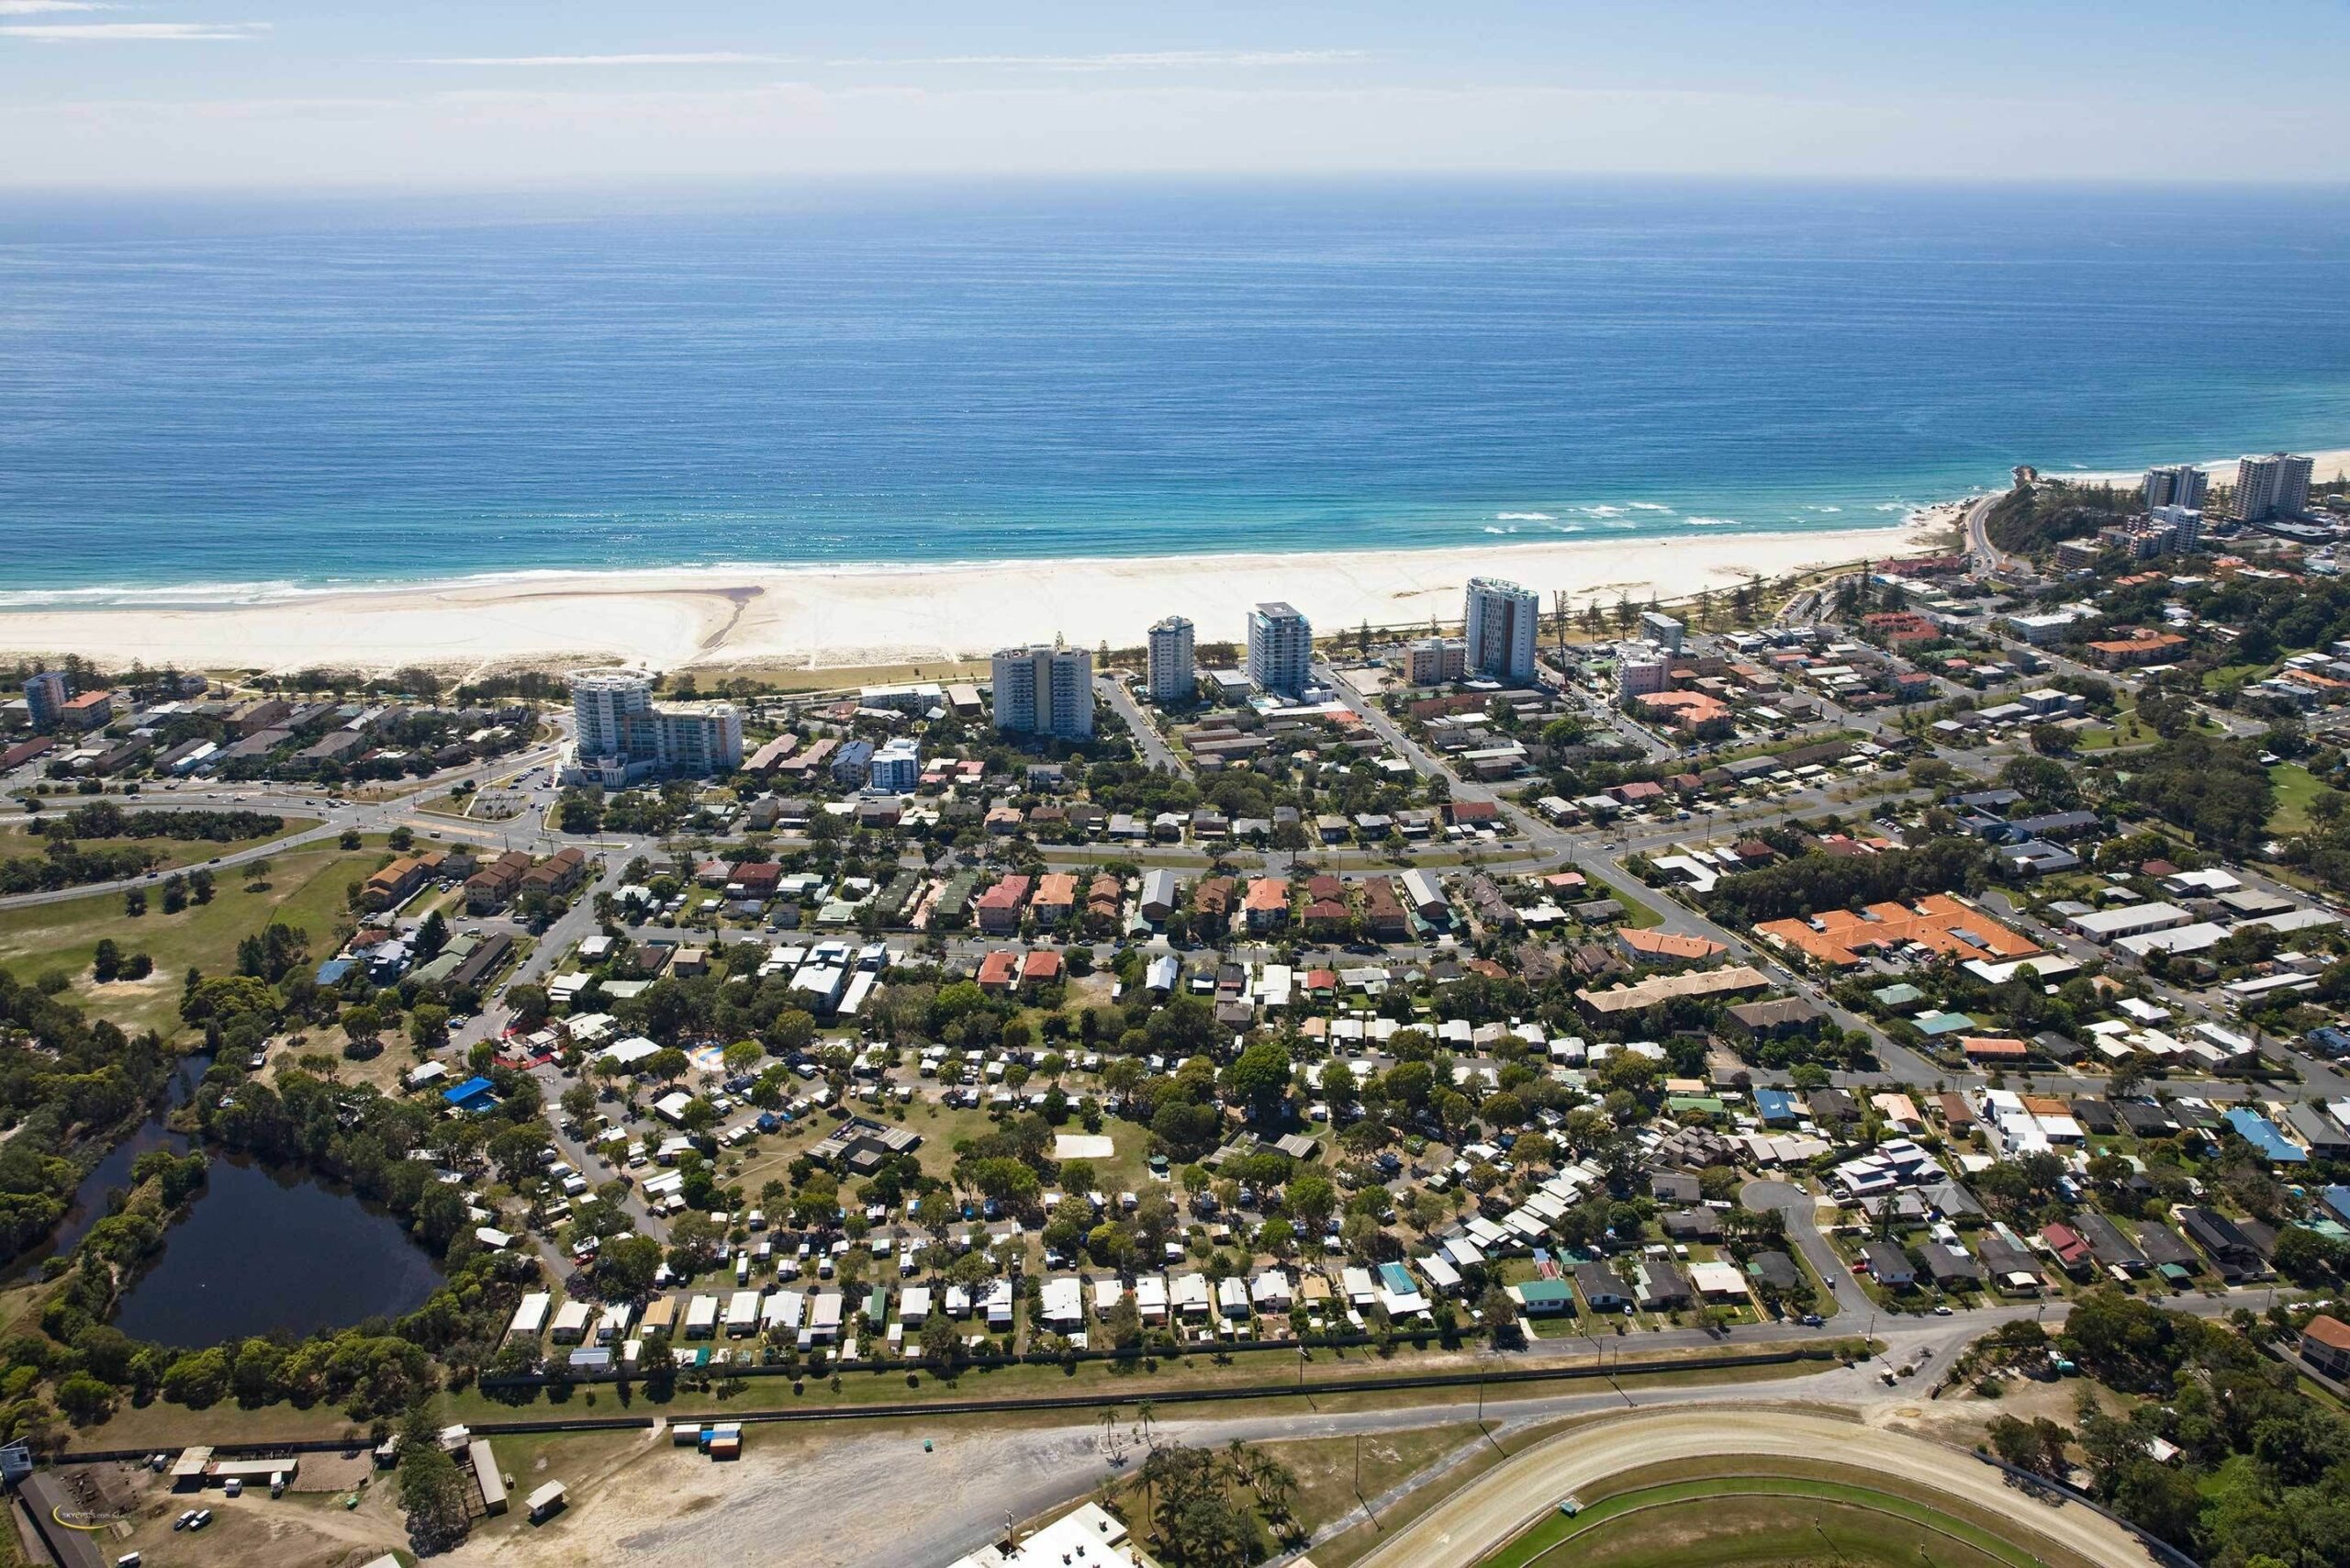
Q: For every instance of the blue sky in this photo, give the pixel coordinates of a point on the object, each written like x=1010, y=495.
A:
x=438, y=93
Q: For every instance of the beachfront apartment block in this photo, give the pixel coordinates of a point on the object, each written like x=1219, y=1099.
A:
x=897, y=767
x=2176, y=484
x=1437, y=661
x=1045, y=690
x=1642, y=670
x=1174, y=674
x=2276, y=484
x=1501, y=622
x=1281, y=649
x=1663, y=630
x=45, y=698
x=622, y=736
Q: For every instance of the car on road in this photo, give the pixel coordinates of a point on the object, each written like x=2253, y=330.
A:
x=1811, y=1320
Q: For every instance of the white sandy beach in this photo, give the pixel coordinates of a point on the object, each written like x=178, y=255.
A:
x=865, y=616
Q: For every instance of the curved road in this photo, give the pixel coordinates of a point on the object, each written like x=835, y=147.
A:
x=1473, y=1522
x=368, y=816
x=1989, y=556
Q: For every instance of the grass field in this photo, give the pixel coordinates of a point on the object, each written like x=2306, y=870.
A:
x=2296, y=786
x=1325, y=1467
x=839, y=677
x=1769, y=1514
x=162, y=1425
x=304, y=888
x=25, y=839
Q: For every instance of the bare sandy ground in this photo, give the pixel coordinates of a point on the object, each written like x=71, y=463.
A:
x=830, y=1498
x=867, y=616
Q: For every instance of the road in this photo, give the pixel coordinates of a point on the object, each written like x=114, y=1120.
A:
x=978, y=1476
x=1474, y=1521
x=982, y=1475
x=338, y=817
x=1149, y=743
x=1988, y=556
x=1799, y=1210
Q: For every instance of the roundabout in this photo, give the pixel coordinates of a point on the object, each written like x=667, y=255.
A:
x=1751, y=1488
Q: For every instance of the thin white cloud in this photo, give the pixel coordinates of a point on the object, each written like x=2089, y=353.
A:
x=1155, y=60
x=133, y=32
x=46, y=7
x=713, y=58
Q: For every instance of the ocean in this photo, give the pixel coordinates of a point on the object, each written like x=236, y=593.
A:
x=233, y=399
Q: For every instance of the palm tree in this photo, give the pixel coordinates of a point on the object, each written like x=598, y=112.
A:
x=1276, y=1487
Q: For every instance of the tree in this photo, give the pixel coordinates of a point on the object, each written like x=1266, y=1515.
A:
x=84, y=1398
x=2037, y=1445
x=792, y=1031
x=1500, y=1313
x=1260, y=1078
x=626, y=1264
x=105, y=962
x=432, y=1495
x=941, y=1345
x=429, y=1024
x=2305, y=1256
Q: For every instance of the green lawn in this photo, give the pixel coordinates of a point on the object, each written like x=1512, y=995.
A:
x=26, y=839
x=2296, y=786
x=2225, y=676
x=165, y=1425
x=305, y=889
x=1764, y=1518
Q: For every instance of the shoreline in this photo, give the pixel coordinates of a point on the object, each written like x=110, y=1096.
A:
x=2324, y=465
x=865, y=616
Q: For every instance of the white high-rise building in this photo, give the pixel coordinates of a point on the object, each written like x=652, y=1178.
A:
x=602, y=702
x=1045, y=690
x=2176, y=484
x=1503, y=619
x=2275, y=486
x=1174, y=670
x=896, y=767
x=2183, y=526
x=45, y=698
x=1663, y=630
x=1281, y=649
x=623, y=737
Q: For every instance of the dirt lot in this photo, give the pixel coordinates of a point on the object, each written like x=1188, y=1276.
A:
x=305, y=1529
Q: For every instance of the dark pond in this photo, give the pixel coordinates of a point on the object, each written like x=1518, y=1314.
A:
x=89, y=1204
x=264, y=1249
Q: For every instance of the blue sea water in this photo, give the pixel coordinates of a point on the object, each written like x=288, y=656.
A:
x=235, y=398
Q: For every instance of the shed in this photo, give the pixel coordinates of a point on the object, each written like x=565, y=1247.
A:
x=485, y=1476
x=546, y=1501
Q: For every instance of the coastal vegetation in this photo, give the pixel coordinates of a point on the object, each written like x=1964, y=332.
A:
x=2214, y=1447
x=66, y=1083
x=2037, y=516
